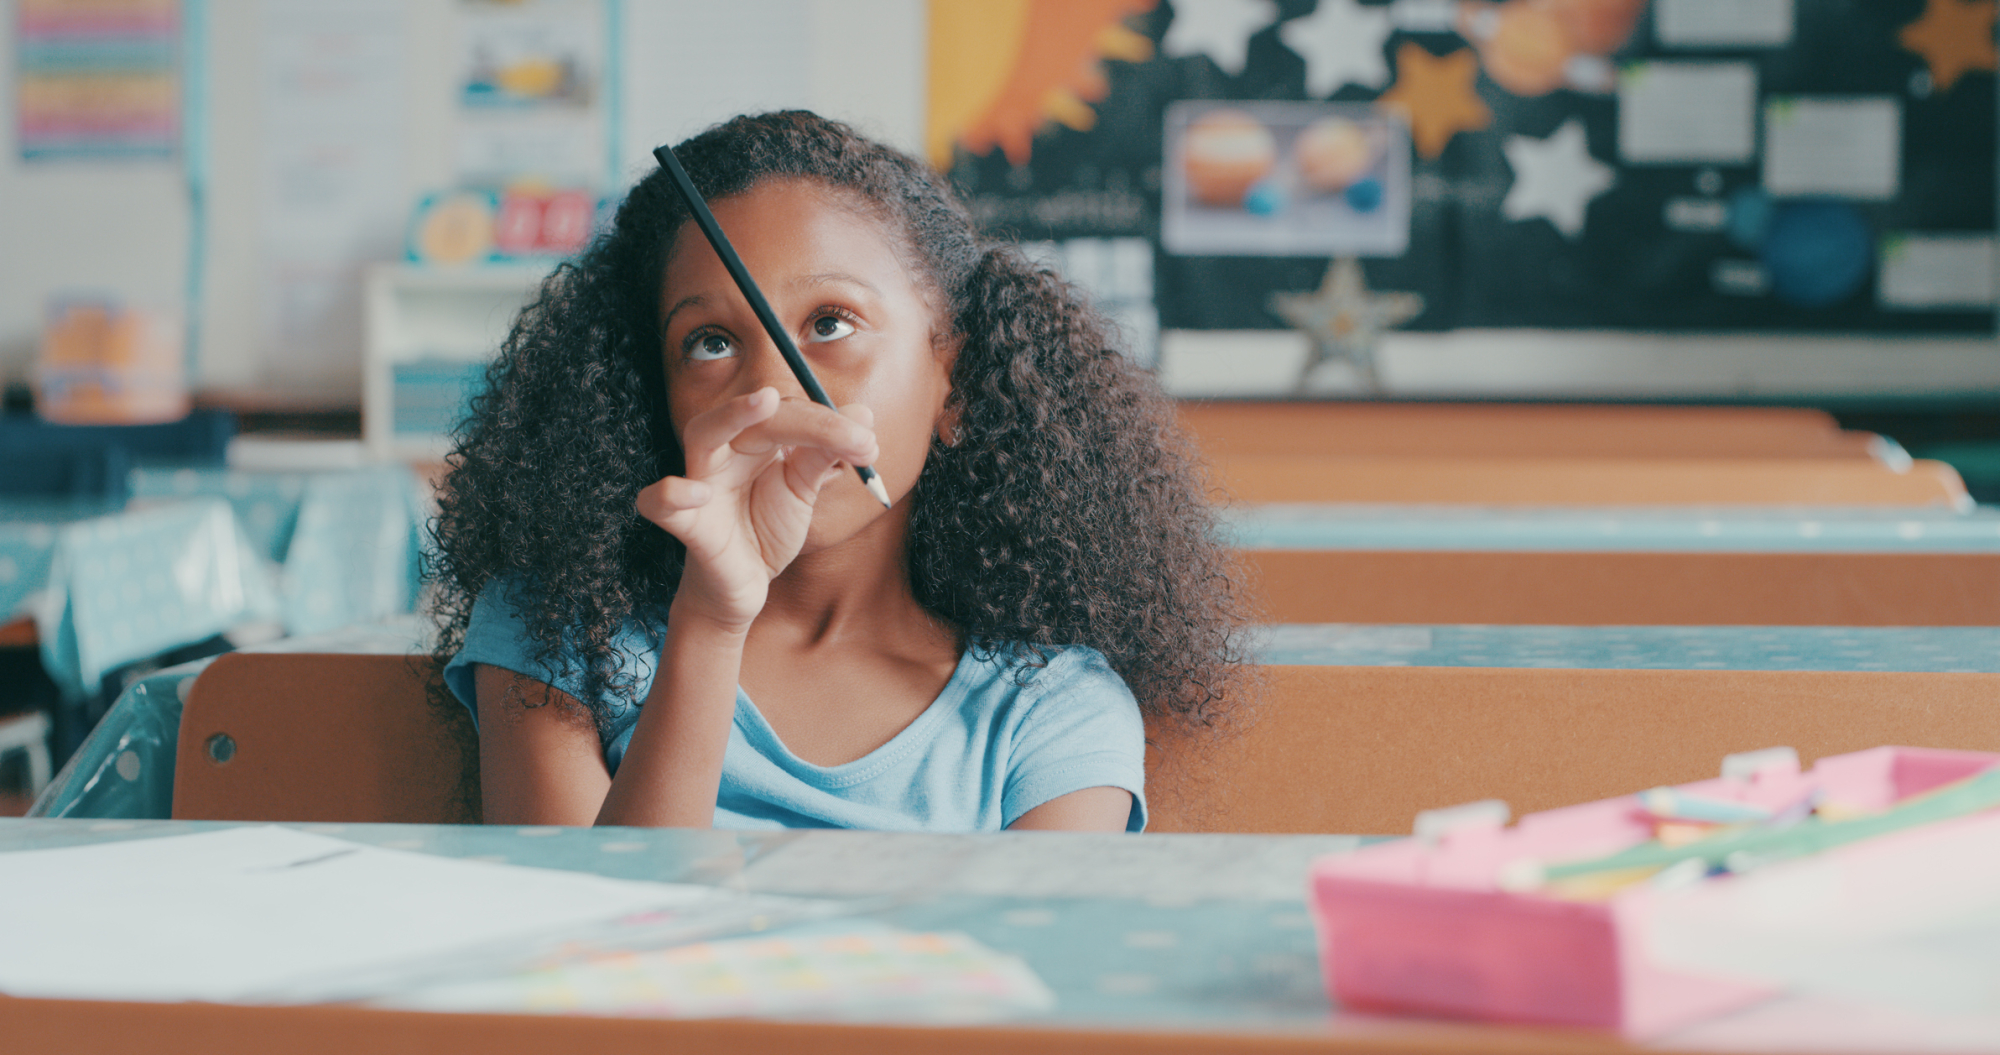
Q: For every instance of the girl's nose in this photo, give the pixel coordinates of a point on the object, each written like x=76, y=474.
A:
x=766, y=366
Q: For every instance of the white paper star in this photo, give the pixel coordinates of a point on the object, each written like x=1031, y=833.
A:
x=1341, y=42
x=1344, y=320
x=1555, y=178
x=1220, y=29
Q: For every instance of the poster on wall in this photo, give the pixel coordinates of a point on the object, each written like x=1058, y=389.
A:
x=1802, y=166
x=96, y=80
x=329, y=179
x=529, y=92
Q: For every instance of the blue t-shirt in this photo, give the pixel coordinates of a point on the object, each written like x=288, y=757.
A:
x=1002, y=738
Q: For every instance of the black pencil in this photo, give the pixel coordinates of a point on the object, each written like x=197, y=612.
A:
x=786, y=347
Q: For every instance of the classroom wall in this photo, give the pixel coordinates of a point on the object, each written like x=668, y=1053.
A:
x=123, y=227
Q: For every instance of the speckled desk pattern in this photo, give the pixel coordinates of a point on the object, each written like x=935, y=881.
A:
x=1155, y=930
x=1731, y=529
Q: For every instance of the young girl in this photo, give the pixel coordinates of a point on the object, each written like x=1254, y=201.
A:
x=647, y=526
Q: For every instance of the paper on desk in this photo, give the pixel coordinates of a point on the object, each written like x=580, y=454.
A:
x=1910, y=920
x=247, y=913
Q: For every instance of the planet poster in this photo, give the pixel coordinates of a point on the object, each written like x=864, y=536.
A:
x=1284, y=179
x=1781, y=166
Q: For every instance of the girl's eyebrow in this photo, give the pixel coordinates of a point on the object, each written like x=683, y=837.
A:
x=840, y=277
x=684, y=302
x=830, y=277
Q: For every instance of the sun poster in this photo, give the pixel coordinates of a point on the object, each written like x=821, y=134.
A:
x=1660, y=165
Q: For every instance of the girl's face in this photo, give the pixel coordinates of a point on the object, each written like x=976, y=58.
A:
x=835, y=281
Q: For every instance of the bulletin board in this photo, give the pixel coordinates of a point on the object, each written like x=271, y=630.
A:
x=1673, y=165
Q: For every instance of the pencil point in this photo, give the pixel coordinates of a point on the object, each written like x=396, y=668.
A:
x=880, y=492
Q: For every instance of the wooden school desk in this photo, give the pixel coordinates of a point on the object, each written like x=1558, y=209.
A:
x=1151, y=943
x=1576, y=480
x=1699, y=567
x=1503, y=430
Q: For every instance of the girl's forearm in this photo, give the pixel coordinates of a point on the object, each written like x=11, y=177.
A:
x=673, y=767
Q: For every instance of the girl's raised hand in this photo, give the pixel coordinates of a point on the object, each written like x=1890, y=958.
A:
x=755, y=466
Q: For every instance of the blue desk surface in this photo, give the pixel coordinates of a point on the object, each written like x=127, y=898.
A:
x=1198, y=933
x=1956, y=649
x=1162, y=930
x=1651, y=530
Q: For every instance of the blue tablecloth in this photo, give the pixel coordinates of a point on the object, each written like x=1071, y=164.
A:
x=1650, y=530
x=126, y=768
x=199, y=551
x=107, y=587
x=347, y=542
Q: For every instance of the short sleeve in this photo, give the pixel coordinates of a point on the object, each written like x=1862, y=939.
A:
x=497, y=636
x=1082, y=730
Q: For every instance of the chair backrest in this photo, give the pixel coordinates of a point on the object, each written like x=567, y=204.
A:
x=1588, y=588
x=306, y=737
x=359, y=739
x=1362, y=749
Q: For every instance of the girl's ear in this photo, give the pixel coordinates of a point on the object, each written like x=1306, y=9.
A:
x=947, y=423
x=946, y=426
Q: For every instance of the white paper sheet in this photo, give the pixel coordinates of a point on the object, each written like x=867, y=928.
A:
x=1723, y=23
x=244, y=912
x=1847, y=146
x=1687, y=112
x=1941, y=272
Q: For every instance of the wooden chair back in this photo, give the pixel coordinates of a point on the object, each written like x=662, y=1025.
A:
x=341, y=738
x=358, y=739
x=1586, y=588
x=1362, y=749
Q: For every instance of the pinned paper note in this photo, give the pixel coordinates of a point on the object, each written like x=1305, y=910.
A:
x=1938, y=272
x=1687, y=112
x=1841, y=146
x=1723, y=23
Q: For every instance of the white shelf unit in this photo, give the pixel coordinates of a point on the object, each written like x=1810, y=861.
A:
x=429, y=332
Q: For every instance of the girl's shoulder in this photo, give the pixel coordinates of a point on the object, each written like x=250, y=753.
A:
x=497, y=634
x=1076, y=675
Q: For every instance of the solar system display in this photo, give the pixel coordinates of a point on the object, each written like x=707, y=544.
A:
x=1669, y=165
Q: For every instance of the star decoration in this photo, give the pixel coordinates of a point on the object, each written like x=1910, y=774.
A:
x=1954, y=37
x=1220, y=29
x=1554, y=178
x=1341, y=42
x=1435, y=95
x=1344, y=321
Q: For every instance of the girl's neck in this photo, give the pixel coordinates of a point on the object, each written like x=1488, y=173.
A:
x=855, y=594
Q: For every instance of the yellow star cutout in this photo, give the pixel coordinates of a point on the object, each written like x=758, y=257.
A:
x=1954, y=37
x=1435, y=95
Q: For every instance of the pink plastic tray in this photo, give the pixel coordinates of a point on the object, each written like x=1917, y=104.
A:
x=1421, y=926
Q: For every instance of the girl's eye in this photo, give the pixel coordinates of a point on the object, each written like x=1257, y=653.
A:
x=828, y=328
x=703, y=346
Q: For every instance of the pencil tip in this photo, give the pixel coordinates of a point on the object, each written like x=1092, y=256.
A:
x=880, y=492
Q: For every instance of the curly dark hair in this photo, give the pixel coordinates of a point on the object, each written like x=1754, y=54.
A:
x=1069, y=508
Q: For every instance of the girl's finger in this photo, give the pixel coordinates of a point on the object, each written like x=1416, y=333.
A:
x=673, y=495
x=709, y=432
x=804, y=425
